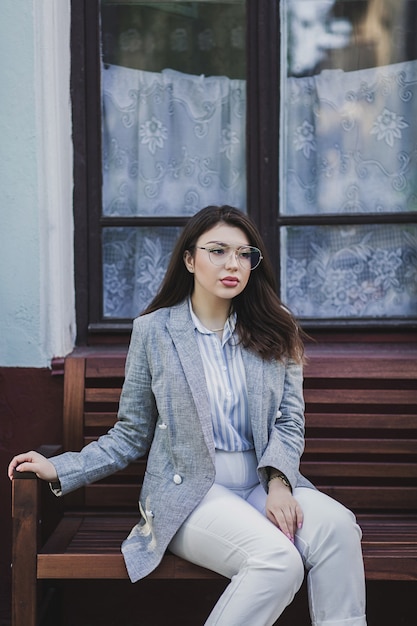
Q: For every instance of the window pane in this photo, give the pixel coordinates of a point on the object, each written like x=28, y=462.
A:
x=349, y=97
x=174, y=107
x=350, y=271
x=134, y=264
x=203, y=37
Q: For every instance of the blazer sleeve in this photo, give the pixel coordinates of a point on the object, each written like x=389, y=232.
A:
x=286, y=437
x=131, y=436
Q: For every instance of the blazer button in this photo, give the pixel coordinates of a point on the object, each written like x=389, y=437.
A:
x=177, y=479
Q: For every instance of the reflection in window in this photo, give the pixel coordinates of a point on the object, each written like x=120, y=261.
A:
x=204, y=37
x=346, y=34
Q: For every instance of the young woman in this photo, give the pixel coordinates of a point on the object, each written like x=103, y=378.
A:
x=213, y=394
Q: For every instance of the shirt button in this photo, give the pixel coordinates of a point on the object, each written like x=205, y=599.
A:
x=177, y=479
x=228, y=394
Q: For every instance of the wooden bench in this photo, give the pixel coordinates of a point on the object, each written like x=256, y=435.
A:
x=361, y=448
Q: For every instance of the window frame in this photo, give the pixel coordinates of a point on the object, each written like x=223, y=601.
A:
x=263, y=90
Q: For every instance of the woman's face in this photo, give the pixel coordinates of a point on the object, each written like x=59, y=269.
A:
x=225, y=280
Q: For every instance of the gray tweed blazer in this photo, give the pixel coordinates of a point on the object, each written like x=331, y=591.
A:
x=164, y=411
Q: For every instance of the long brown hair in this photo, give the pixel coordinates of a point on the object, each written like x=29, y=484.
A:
x=264, y=325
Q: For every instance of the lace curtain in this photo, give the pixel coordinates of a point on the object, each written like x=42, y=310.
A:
x=172, y=144
x=350, y=146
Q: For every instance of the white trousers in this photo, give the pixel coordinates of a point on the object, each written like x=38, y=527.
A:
x=230, y=534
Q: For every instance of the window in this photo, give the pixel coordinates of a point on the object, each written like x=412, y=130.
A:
x=348, y=160
x=297, y=112
x=173, y=96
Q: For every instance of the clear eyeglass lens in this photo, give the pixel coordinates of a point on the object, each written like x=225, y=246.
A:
x=248, y=256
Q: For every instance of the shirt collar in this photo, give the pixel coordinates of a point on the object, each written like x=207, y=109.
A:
x=229, y=327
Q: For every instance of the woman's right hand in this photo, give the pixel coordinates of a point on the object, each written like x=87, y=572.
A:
x=283, y=510
x=33, y=462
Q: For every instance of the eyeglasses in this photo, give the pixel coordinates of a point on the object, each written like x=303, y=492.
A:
x=249, y=257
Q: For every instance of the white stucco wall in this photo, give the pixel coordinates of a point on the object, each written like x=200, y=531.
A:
x=37, y=318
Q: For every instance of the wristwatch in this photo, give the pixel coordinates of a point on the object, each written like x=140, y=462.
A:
x=282, y=478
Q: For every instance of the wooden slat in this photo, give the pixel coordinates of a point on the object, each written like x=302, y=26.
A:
x=112, y=566
x=116, y=495
x=110, y=367
x=102, y=394
x=341, y=360
x=333, y=369
x=78, y=566
x=385, y=566
x=99, y=420
x=372, y=497
x=339, y=468
x=361, y=396
x=388, y=422
x=360, y=446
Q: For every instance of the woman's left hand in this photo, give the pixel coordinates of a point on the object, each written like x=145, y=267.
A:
x=283, y=510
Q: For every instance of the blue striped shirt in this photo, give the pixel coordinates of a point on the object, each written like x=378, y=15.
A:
x=226, y=383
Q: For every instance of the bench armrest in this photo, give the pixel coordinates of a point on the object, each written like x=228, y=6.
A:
x=25, y=516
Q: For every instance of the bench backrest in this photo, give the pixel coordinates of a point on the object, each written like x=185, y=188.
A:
x=361, y=423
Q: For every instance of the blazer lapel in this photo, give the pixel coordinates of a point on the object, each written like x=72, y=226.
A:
x=181, y=329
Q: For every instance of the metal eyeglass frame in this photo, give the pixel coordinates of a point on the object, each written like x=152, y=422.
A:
x=240, y=258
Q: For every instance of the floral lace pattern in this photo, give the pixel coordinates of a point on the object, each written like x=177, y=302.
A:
x=134, y=263
x=351, y=271
x=172, y=143
x=350, y=147
x=350, y=141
